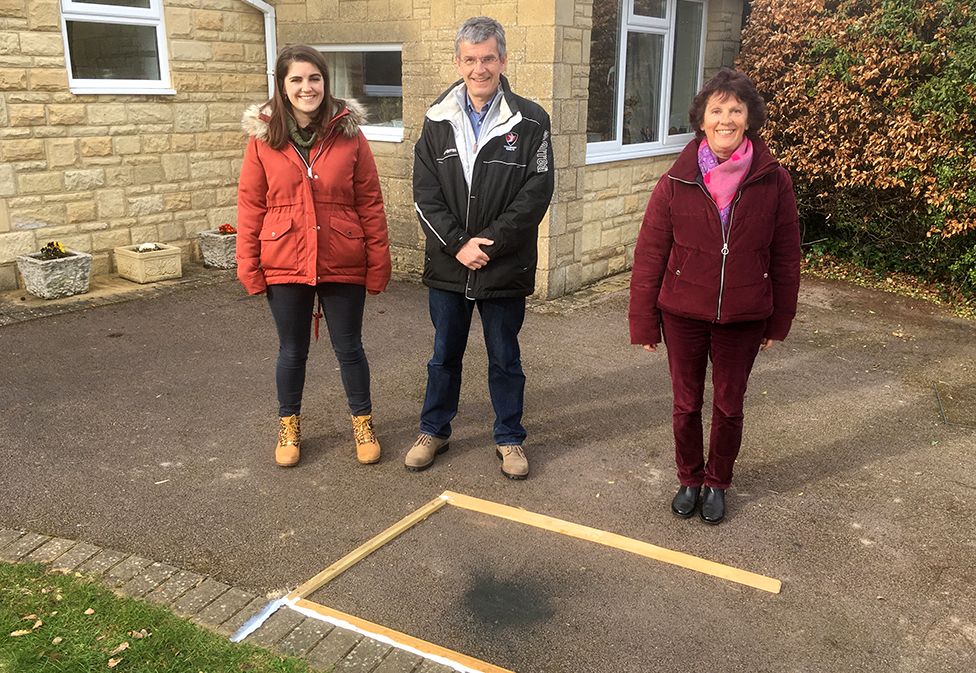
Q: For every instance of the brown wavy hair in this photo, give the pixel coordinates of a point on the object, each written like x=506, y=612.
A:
x=280, y=106
x=728, y=82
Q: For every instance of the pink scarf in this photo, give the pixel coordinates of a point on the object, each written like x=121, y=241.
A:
x=723, y=179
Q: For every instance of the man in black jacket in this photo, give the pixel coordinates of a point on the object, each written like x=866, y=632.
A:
x=482, y=182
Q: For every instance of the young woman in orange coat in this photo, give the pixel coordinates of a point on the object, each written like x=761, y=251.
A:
x=310, y=222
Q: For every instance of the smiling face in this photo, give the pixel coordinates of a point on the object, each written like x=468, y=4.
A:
x=481, y=67
x=724, y=123
x=305, y=90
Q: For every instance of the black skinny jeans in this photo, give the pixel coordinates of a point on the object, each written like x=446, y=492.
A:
x=292, y=305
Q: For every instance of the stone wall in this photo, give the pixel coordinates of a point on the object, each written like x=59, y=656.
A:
x=99, y=171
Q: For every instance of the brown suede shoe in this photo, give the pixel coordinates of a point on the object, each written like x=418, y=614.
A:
x=423, y=452
x=287, y=452
x=514, y=463
x=367, y=446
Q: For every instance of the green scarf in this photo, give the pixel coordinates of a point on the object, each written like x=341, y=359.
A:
x=302, y=138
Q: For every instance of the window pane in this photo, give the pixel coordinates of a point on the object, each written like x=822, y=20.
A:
x=601, y=109
x=687, y=52
x=653, y=8
x=642, y=88
x=112, y=51
x=144, y=4
x=374, y=78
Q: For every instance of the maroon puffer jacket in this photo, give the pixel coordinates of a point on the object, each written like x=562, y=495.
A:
x=684, y=264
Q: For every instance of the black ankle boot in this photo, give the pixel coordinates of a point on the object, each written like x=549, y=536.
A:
x=685, y=501
x=713, y=505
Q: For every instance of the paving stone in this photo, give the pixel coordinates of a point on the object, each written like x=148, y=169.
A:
x=175, y=586
x=74, y=557
x=199, y=597
x=333, y=648
x=147, y=579
x=22, y=546
x=231, y=626
x=125, y=571
x=304, y=637
x=8, y=535
x=398, y=661
x=431, y=667
x=223, y=608
x=364, y=657
x=276, y=627
x=101, y=562
x=50, y=550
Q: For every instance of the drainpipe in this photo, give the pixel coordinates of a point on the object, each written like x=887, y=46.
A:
x=270, y=39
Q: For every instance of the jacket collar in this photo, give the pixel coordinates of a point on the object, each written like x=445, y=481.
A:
x=686, y=169
x=347, y=120
x=446, y=107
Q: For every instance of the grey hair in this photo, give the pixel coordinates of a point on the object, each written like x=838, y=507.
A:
x=479, y=29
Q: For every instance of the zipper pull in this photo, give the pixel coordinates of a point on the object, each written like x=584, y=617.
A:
x=309, y=170
x=725, y=250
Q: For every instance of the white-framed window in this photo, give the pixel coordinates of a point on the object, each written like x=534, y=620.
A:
x=645, y=68
x=373, y=75
x=115, y=46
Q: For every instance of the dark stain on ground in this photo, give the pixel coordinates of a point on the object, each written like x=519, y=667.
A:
x=501, y=603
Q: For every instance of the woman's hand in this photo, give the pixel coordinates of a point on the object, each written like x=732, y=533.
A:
x=650, y=348
x=766, y=344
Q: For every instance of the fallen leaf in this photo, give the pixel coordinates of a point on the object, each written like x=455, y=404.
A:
x=20, y=632
x=121, y=648
x=38, y=624
x=57, y=641
x=89, y=611
x=112, y=663
x=138, y=635
x=26, y=617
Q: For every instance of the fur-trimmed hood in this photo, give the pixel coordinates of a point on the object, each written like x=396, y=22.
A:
x=350, y=117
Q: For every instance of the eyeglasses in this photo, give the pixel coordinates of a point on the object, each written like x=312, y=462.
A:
x=486, y=61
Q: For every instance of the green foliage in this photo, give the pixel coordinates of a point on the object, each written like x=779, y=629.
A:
x=872, y=107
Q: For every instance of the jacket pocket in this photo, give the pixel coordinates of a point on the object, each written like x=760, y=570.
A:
x=347, y=246
x=279, y=250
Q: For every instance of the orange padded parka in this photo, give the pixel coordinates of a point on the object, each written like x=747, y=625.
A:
x=316, y=222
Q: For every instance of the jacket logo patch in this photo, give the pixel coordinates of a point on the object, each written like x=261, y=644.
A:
x=542, y=155
x=510, y=140
x=450, y=151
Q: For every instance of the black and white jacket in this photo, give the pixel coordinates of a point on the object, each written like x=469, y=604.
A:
x=511, y=186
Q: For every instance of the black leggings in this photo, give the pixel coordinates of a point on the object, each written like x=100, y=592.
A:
x=291, y=305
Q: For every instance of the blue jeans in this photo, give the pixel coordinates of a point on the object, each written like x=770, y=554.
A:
x=292, y=306
x=501, y=319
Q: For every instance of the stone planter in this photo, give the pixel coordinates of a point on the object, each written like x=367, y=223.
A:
x=54, y=278
x=218, y=249
x=148, y=267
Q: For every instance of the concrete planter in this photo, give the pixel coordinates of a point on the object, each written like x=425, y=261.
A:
x=54, y=278
x=148, y=267
x=218, y=249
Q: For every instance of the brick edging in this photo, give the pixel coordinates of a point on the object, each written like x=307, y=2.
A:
x=213, y=605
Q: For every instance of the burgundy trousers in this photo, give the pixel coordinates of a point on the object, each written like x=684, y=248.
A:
x=732, y=349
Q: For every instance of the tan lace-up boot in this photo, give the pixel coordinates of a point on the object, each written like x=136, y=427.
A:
x=423, y=452
x=514, y=463
x=289, y=437
x=367, y=446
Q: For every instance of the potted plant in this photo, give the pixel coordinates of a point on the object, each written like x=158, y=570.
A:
x=218, y=247
x=54, y=272
x=148, y=262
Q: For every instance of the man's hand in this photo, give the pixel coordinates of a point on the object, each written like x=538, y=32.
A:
x=471, y=255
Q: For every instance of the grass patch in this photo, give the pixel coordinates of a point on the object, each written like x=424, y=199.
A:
x=54, y=623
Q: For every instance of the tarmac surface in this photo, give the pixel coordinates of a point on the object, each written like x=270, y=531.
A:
x=148, y=425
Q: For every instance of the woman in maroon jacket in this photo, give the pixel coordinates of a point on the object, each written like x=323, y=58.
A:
x=310, y=223
x=717, y=270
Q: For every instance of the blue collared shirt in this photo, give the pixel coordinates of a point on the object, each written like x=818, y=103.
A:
x=478, y=117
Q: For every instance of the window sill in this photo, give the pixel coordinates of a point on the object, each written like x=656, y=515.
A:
x=383, y=134
x=120, y=90
x=605, y=155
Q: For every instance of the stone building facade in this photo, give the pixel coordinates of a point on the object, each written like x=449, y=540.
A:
x=96, y=171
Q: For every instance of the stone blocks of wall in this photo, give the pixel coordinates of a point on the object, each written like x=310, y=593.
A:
x=100, y=171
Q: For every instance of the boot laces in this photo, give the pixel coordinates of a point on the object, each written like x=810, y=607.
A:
x=289, y=430
x=362, y=427
x=513, y=449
